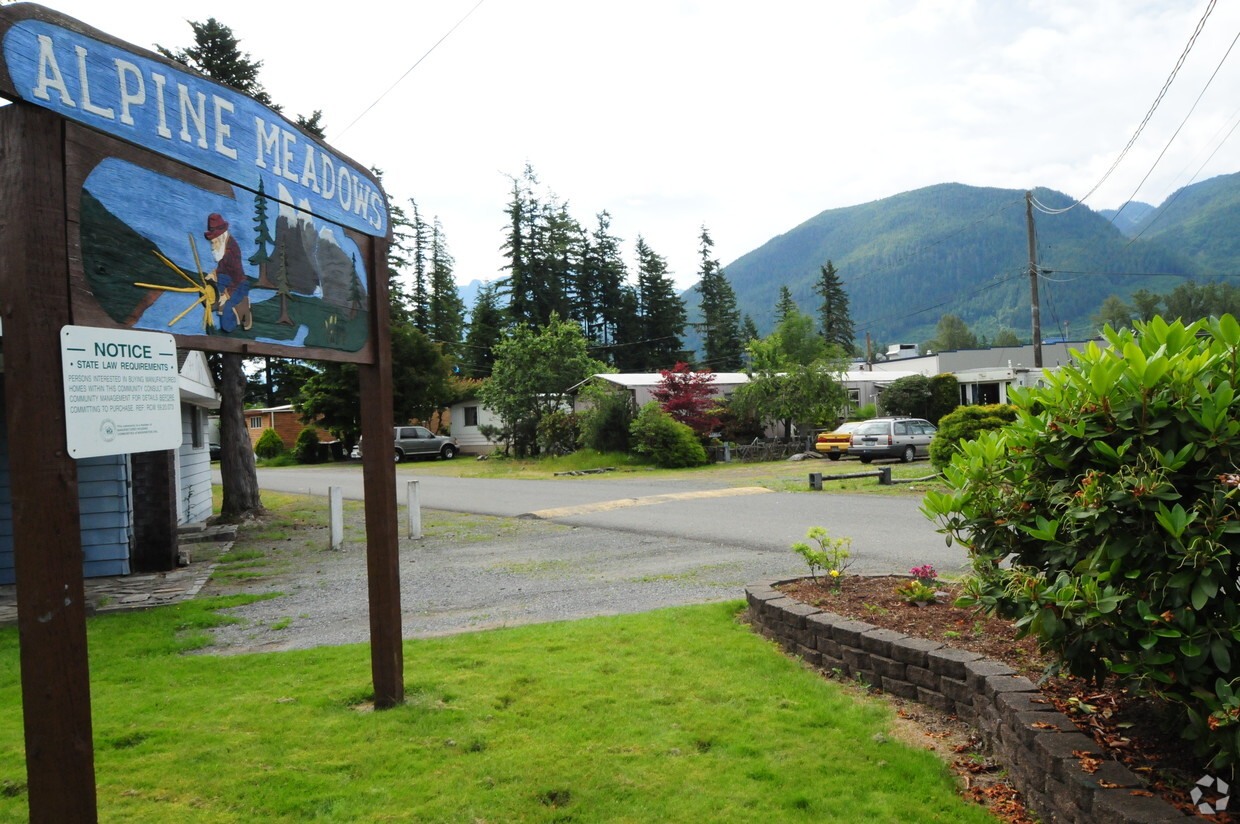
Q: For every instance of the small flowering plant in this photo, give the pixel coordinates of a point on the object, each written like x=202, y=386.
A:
x=916, y=592
x=925, y=575
x=829, y=555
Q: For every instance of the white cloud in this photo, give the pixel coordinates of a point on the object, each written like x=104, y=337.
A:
x=748, y=119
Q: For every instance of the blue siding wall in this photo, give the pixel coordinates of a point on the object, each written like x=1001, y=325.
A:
x=103, y=497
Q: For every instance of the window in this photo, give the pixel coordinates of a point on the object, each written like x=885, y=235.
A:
x=256, y=422
x=471, y=416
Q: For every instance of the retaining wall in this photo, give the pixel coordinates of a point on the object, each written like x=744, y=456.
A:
x=1040, y=746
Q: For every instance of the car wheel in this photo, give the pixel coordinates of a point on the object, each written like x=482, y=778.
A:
x=400, y=456
x=448, y=452
x=834, y=456
x=909, y=454
x=866, y=458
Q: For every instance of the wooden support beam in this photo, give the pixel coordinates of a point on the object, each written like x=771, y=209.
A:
x=379, y=479
x=47, y=544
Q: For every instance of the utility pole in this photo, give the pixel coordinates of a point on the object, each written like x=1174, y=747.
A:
x=1033, y=283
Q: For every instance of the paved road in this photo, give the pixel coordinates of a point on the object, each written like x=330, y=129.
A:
x=889, y=533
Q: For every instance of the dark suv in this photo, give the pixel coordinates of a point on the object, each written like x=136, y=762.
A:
x=903, y=438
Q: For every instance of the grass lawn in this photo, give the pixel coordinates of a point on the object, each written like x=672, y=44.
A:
x=781, y=476
x=679, y=715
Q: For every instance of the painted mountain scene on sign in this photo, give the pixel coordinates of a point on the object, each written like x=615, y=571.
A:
x=189, y=261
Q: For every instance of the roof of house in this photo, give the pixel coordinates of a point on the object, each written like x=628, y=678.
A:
x=630, y=380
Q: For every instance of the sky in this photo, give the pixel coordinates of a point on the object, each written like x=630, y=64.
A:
x=675, y=115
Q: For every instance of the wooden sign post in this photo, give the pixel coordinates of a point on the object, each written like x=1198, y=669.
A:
x=140, y=195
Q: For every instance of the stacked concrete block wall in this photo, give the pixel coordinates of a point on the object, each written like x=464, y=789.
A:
x=1041, y=748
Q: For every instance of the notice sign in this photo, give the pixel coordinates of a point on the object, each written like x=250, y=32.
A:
x=121, y=391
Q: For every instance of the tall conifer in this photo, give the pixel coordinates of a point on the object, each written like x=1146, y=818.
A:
x=837, y=325
x=722, y=347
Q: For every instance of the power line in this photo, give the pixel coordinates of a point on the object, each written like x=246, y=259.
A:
x=1176, y=133
x=1176, y=195
x=366, y=111
x=1157, y=100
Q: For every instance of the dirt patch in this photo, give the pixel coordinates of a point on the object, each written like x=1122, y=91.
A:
x=1134, y=731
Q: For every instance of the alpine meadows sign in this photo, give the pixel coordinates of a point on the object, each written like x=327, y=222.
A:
x=186, y=117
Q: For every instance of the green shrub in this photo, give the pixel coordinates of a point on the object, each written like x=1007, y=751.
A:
x=269, y=444
x=1112, y=500
x=558, y=432
x=909, y=396
x=944, y=397
x=605, y=422
x=966, y=423
x=307, y=447
x=670, y=443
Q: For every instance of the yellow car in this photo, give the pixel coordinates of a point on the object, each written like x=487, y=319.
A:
x=835, y=444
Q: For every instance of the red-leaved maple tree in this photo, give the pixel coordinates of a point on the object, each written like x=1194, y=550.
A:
x=689, y=397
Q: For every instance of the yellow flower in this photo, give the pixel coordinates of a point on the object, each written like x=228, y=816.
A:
x=835, y=573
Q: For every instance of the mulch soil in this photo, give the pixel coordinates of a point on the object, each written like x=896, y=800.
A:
x=1135, y=731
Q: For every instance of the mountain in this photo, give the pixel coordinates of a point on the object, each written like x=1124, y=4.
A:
x=1129, y=217
x=1203, y=222
x=910, y=258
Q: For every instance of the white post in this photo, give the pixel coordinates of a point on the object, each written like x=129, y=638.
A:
x=335, y=507
x=415, y=510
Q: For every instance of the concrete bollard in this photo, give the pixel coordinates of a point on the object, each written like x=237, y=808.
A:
x=815, y=481
x=415, y=510
x=335, y=508
x=884, y=476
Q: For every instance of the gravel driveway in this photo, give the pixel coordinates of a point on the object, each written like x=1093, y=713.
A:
x=473, y=573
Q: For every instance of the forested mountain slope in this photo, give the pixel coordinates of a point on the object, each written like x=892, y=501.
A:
x=951, y=248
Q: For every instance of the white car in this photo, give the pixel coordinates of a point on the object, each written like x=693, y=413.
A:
x=903, y=438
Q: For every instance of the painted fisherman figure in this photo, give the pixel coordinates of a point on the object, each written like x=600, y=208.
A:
x=234, y=287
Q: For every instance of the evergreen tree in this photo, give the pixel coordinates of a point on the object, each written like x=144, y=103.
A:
x=398, y=259
x=487, y=324
x=629, y=350
x=785, y=307
x=555, y=263
x=217, y=54
x=523, y=211
x=837, y=325
x=447, y=310
x=420, y=297
x=314, y=124
x=662, y=311
x=601, y=286
x=262, y=237
x=720, y=327
x=749, y=329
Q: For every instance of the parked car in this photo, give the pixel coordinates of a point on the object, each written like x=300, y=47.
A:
x=903, y=438
x=835, y=444
x=214, y=451
x=418, y=442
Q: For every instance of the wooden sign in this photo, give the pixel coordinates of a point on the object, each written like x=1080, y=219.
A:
x=139, y=195
x=211, y=216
